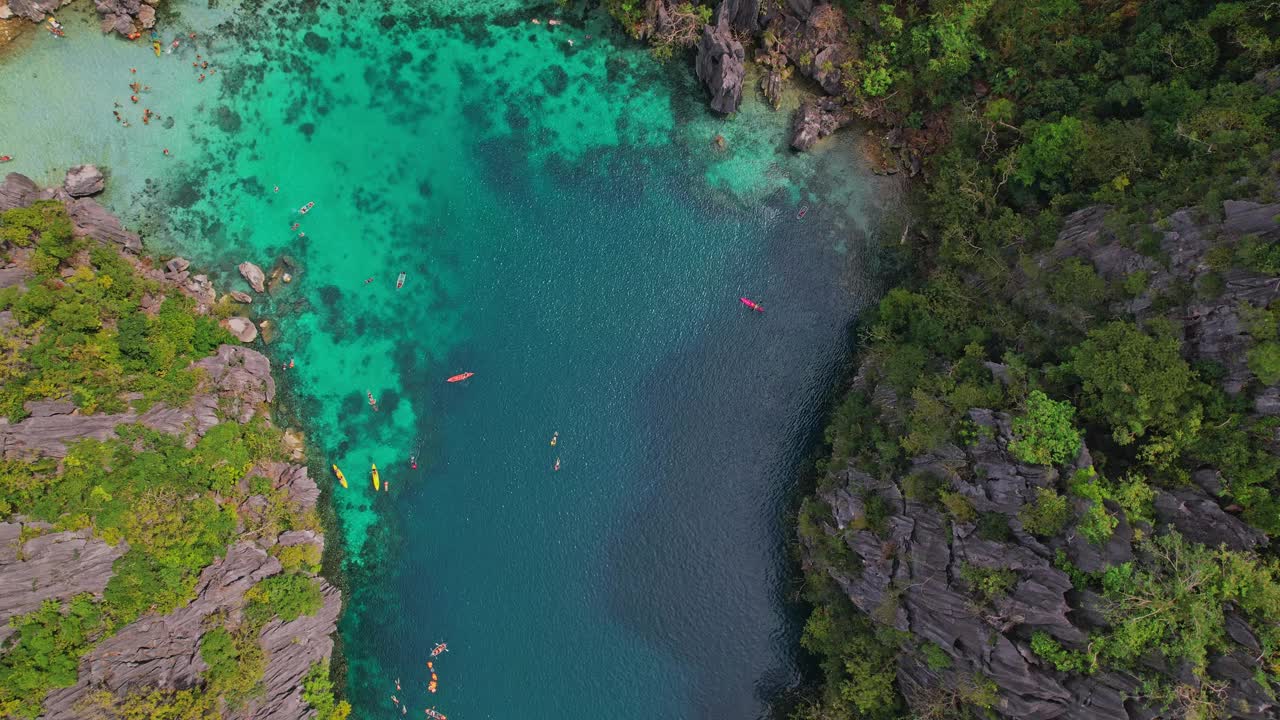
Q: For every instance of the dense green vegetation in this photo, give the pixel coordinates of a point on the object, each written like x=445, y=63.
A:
x=317, y=691
x=81, y=332
x=1030, y=111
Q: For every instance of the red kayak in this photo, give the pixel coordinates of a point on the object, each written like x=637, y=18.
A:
x=752, y=305
x=5, y=158
x=460, y=377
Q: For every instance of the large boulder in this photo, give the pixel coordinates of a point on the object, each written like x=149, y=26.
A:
x=242, y=327
x=254, y=275
x=17, y=191
x=92, y=220
x=84, y=180
x=720, y=65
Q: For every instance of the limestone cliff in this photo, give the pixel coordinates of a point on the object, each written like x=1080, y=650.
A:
x=37, y=564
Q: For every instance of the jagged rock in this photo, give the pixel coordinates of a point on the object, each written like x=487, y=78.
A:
x=817, y=119
x=1200, y=519
x=84, y=180
x=254, y=275
x=147, y=17
x=5, y=12
x=49, y=435
x=177, y=264
x=56, y=565
x=742, y=15
x=242, y=378
x=291, y=649
x=301, y=537
x=17, y=190
x=200, y=289
x=35, y=10
x=241, y=297
x=720, y=66
x=164, y=651
x=294, y=444
x=92, y=220
x=243, y=328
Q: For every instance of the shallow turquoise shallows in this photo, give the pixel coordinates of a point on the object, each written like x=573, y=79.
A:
x=569, y=232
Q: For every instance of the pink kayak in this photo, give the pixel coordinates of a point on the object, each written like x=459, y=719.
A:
x=752, y=305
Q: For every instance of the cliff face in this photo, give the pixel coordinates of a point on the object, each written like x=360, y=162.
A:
x=941, y=552
x=163, y=651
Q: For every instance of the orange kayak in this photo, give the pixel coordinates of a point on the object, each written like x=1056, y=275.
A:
x=460, y=377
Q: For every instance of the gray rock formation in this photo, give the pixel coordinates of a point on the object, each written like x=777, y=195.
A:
x=241, y=297
x=17, y=191
x=125, y=16
x=720, y=66
x=164, y=651
x=1213, y=328
x=242, y=378
x=743, y=16
x=242, y=327
x=84, y=180
x=239, y=379
x=35, y=10
x=51, y=566
x=92, y=220
x=817, y=119
x=291, y=649
x=254, y=275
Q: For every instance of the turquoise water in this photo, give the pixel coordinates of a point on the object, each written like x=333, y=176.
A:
x=571, y=235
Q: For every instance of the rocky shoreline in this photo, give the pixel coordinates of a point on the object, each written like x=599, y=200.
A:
x=127, y=18
x=162, y=652
x=810, y=38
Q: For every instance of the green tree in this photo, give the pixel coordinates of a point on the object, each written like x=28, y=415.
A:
x=1045, y=435
x=1134, y=381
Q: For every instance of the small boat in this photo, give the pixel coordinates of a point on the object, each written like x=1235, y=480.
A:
x=431, y=713
x=155, y=45
x=804, y=210
x=341, y=478
x=555, y=437
x=460, y=377
x=751, y=304
x=306, y=208
x=400, y=281
x=439, y=648
x=377, y=481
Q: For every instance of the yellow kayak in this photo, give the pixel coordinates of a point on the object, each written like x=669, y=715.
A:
x=155, y=45
x=341, y=478
x=377, y=483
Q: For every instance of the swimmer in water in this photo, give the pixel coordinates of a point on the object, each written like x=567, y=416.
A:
x=557, y=465
x=277, y=189
x=413, y=462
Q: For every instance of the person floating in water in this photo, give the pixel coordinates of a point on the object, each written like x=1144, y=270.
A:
x=557, y=465
x=276, y=189
x=413, y=462
x=372, y=403
x=397, y=684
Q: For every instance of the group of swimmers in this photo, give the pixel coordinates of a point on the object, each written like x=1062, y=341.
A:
x=554, y=22
x=432, y=685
